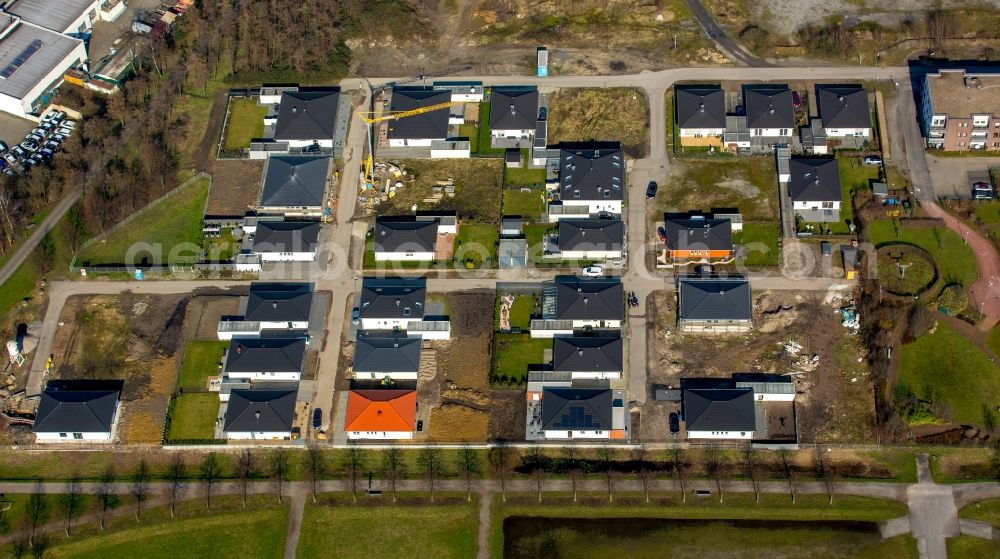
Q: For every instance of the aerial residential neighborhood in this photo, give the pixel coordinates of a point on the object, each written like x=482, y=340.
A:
x=397, y=278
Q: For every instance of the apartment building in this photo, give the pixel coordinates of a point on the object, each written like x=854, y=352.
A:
x=958, y=109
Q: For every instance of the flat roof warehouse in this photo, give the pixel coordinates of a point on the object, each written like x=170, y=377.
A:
x=28, y=53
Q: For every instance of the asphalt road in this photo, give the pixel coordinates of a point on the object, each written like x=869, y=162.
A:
x=716, y=33
x=22, y=252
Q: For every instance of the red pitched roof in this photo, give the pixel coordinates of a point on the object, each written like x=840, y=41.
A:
x=381, y=410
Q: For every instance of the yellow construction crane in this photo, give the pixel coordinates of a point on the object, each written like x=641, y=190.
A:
x=369, y=120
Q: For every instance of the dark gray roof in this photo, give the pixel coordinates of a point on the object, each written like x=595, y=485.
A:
x=698, y=234
x=713, y=298
x=266, y=355
x=768, y=106
x=309, y=114
x=279, y=302
x=843, y=106
x=297, y=182
x=260, y=411
x=576, y=409
x=286, y=236
x=42, y=61
x=589, y=298
x=386, y=354
x=431, y=125
x=591, y=234
x=598, y=174
x=57, y=16
x=393, y=297
x=587, y=354
x=700, y=106
x=77, y=411
x=728, y=409
x=814, y=179
x=514, y=108
x=405, y=234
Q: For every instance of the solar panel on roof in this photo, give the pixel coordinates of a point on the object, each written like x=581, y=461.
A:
x=21, y=58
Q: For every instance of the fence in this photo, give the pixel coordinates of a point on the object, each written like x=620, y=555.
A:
x=139, y=213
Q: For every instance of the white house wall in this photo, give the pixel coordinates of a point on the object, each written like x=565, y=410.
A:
x=816, y=205
x=552, y=434
x=590, y=254
x=380, y=376
x=287, y=256
x=770, y=132
x=590, y=375
x=701, y=132
x=260, y=435
x=412, y=142
x=721, y=435
x=594, y=206
x=386, y=323
x=513, y=134
x=379, y=435
x=844, y=132
x=404, y=256
x=285, y=375
x=87, y=438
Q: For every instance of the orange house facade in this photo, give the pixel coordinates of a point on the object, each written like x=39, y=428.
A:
x=696, y=238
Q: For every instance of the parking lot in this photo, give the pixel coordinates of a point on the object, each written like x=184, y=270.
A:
x=13, y=129
x=950, y=175
x=39, y=145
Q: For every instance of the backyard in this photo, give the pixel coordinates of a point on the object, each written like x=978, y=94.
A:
x=246, y=122
x=854, y=177
x=761, y=242
x=942, y=377
x=201, y=360
x=527, y=203
x=477, y=188
x=193, y=416
x=523, y=176
x=402, y=531
x=476, y=243
x=512, y=354
x=954, y=259
x=173, y=225
x=608, y=114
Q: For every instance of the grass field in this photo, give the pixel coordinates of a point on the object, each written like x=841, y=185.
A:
x=512, y=353
x=520, y=311
x=201, y=359
x=945, y=367
x=246, y=122
x=954, y=259
x=749, y=184
x=530, y=205
x=523, y=176
x=993, y=340
x=388, y=532
x=987, y=510
x=474, y=241
x=762, y=243
x=470, y=131
x=222, y=247
x=988, y=212
x=969, y=547
x=534, y=234
x=713, y=541
x=611, y=114
x=918, y=275
x=484, y=143
x=173, y=223
x=260, y=533
x=194, y=416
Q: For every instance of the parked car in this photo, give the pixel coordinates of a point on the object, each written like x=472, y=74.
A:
x=3, y=164
x=46, y=126
x=68, y=124
x=28, y=146
x=9, y=172
x=543, y=113
x=10, y=158
x=317, y=418
x=40, y=132
x=65, y=131
x=35, y=138
x=651, y=190
x=982, y=191
x=593, y=271
x=675, y=423
x=825, y=249
x=58, y=116
x=46, y=153
x=19, y=152
x=3, y=148
x=355, y=316
x=661, y=233
x=796, y=99
x=873, y=160
x=57, y=137
x=27, y=164
x=49, y=116
x=54, y=146
x=38, y=157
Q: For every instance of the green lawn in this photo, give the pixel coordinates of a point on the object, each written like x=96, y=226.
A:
x=955, y=261
x=528, y=204
x=388, y=532
x=970, y=547
x=988, y=212
x=484, y=143
x=520, y=311
x=762, y=243
x=523, y=176
x=946, y=368
x=477, y=242
x=246, y=122
x=222, y=247
x=470, y=131
x=194, y=416
x=535, y=233
x=512, y=353
x=718, y=539
x=987, y=510
x=19, y=285
x=993, y=340
x=255, y=533
x=201, y=360
x=173, y=224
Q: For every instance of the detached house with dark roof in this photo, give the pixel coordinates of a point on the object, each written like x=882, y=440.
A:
x=286, y=241
x=591, y=183
x=844, y=110
x=308, y=117
x=700, y=114
x=77, y=414
x=294, y=186
x=386, y=414
x=581, y=413
x=591, y=239
x=697, y=237
x=420, y=129
x=265, y=359
x=513, y=113
x=588, y=357
x=770, y=114
x=714, y=305
x=573, y=303
x=269, y=306
x=260, y=414
x=397, y=304
x=378, y=356
x=814, y=187
x=719, y=413
x=412, y=238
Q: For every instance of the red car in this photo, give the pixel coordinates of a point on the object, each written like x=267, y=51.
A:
x=661, y=233
x=796, y=99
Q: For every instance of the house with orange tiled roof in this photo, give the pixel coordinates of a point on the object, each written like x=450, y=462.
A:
x=381, y=414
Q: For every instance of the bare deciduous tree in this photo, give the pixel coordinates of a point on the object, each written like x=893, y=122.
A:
x=430, y=463
x=71, y=502
x=176, y=478
x=355, y=461
x=392, y=467
x=210, y=473
x=279, y=470
x=139, y=479
x=468, y=463
x=105, y=492
x=37, y=511
x=717, y=468
x=315, y=466
x=751, y=469
x=786, y=463
x=607, y=459
x=246, y=468
x=680, y=468
x=500, y=462
x=646, y=474
x=824, y=469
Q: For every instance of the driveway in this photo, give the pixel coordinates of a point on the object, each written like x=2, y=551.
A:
x=950, y=175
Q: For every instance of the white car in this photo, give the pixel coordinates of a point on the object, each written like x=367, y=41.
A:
x=593, y=271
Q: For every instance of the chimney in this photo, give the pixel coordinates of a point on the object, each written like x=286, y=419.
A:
x=256, y=415
x=239, y=349
x=274, y=304
x=580, y=353
x=378, y=413
x=513, y=110
x=586, y=300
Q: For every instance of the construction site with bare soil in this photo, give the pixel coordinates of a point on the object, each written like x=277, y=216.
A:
x=802, y=335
